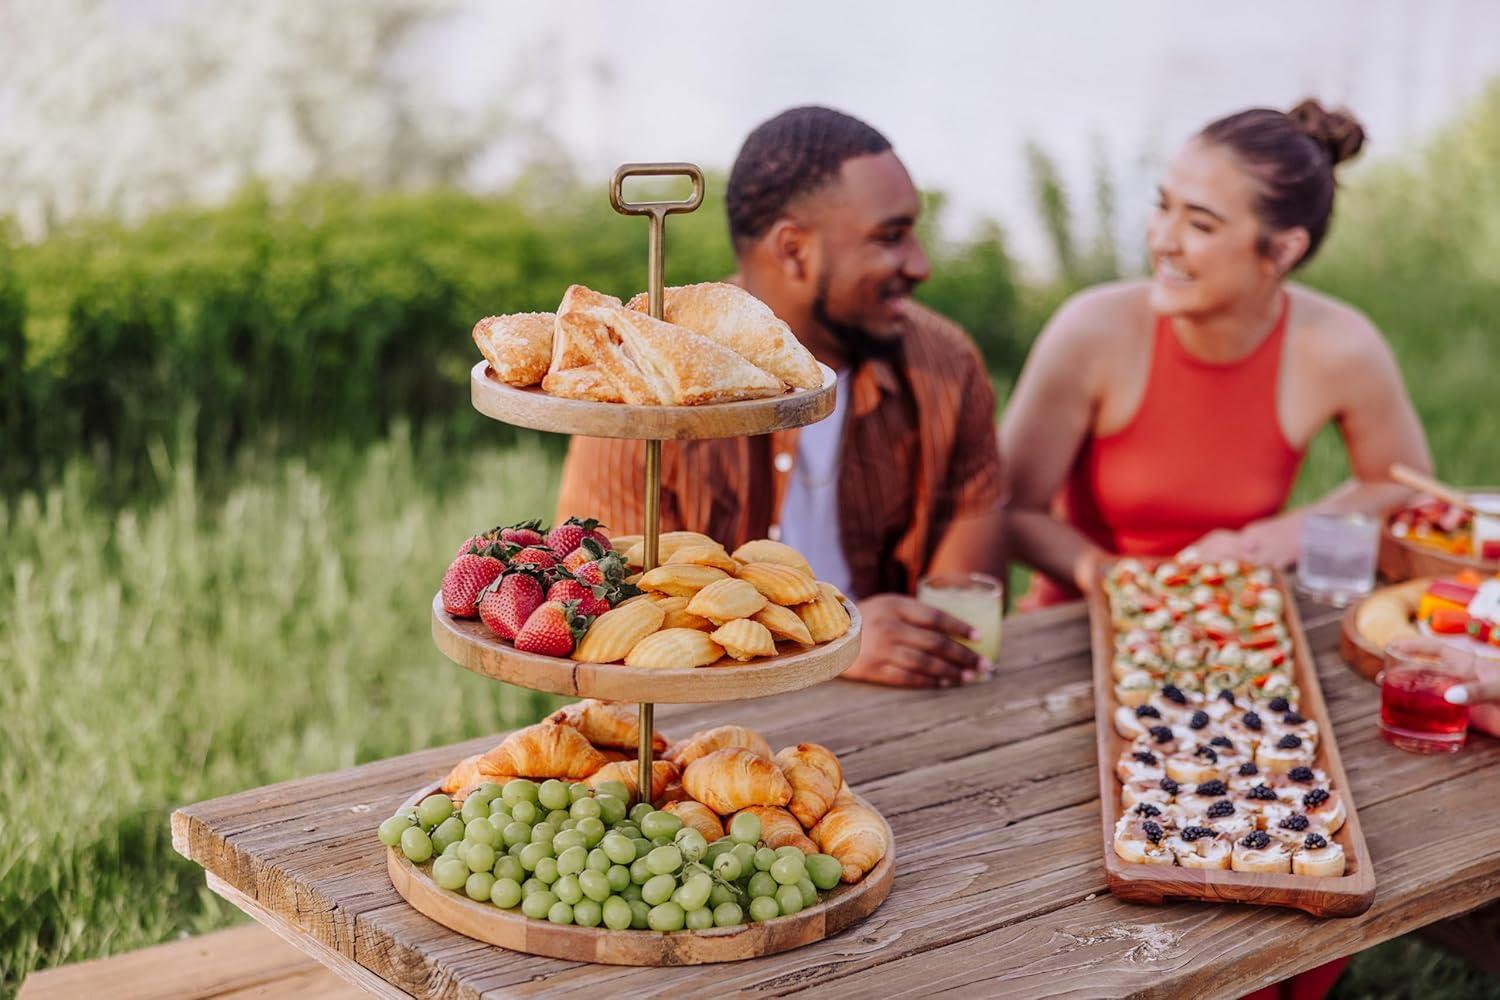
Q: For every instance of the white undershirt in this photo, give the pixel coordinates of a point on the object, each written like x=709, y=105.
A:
x=809, y=520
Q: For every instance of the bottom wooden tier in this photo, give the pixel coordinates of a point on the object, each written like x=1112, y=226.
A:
x=841, y=907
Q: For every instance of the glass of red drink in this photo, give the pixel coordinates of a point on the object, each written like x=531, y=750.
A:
x=1414, y=716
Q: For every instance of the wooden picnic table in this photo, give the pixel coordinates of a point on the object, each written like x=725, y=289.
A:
x=992, y=793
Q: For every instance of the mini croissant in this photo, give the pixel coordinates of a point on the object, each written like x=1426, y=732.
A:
x=778, y=828
x=607, y=724
x=706, y=741
x=853, y=834
x=699, y=817
x=729, y=780
x=545, y=750
x=815, y=776
x=663, y=773
x=465, y=775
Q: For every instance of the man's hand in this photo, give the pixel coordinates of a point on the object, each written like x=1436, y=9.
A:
x=909, y=644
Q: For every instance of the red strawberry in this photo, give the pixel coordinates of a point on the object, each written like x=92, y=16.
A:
x=567, y=536
x=532, y=555
x=466, y=577
x=505, y=604
x=524, y=533
x=553, y=629
x=605, y=571
x=589, y=603
x=586, y=552
x=484, y=538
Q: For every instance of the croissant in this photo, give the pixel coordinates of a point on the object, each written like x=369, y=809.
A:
x=663, y=773
x=699, y=817
x=728, y=780
x=518, y=347
x=465, y=774
x=706, y=741
x=545, y=750
x=852, y=833
x=607, y=724
x=778, y=828
x=815, y=776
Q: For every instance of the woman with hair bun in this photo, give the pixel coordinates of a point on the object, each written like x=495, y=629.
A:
x=1173, y=412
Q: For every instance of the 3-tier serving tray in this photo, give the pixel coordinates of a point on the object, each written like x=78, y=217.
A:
x=472, y=646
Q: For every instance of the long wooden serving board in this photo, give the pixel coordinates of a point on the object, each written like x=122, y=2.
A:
x=1346, y=896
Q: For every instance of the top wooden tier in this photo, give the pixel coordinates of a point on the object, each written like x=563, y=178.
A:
x=535, y=409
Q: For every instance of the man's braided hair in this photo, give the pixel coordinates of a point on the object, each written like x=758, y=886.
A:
x=788, y=156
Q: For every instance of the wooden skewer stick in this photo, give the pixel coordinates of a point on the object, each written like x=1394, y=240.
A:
x=1407, y=476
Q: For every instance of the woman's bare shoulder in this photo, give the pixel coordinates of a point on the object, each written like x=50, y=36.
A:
x=1100, y=317
x=1332, y=332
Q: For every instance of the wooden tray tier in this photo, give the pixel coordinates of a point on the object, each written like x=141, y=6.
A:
x=1402, y=559
x=535, y=409
x=1346, y=896
x=840, y=908
x=469, y=644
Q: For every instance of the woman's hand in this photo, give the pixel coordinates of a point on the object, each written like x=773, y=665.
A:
x=1272, y=542
x=1480, y=689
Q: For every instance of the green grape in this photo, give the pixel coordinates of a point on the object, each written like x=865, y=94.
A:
x=525, y=812
x=639, y=811
x=543, y=833
x=499, y=812
x=598, y=861
x=661, y=841
x=479, y=857
x=568, y=889
x=745, y=828
x=450, y=873
x=587, y=913
x=505, y=893
x=728, y=915
x=789, y=898
x=480, y=831
x=619, y=877
x=568, y=824
x=693, y=893
x=488, y=791
x=537, y=904
x=572, y=860
x=691, y=843
x=566, y=840
x=586, y=809
x=532, y=854
x=617, y=789
x=717, y=849
x=595, y=885
x=628, y=830
x=764, y=859
x=553, y=794
x=809, y=892
x=592, y=828
x=611, y=809
x=514, y=850
x=746, y=854
x=516, y=832
x=547, y=871
x=640, y=914
x=410, y=814
x=391, y=830
x=509, y=867
x=721, y=894
x=453, y=850
x=558, y=817
x=658, y=889
x=478, y=886
x=449, y=831
x=666, y=916
x=616, y=914
x=560, y=913
x=664, y=860
x=727, y=867
x=435, y=808
x=762, y=884
x=518, y=790
x=533, y=885
x=472, y=809
x=415, y=844
x=631, y=892
x=700, y=919
x=790, y=852
x=578, y=791
x=824, y=870
x=762, y=908
x=620, y=849
x=660, y=823
x=639, y=873
x=642, y=846
x=789, y=870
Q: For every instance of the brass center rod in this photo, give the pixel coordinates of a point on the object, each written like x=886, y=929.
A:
x=655, y=253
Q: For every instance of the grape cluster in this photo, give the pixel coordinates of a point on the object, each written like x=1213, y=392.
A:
x=572, y=854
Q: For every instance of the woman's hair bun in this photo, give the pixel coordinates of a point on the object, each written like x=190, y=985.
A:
x=1338, y=131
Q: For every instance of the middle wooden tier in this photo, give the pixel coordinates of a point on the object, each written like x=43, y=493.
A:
x=469, y=644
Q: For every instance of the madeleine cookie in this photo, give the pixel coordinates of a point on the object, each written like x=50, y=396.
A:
x=704, y=555
x=680, y=580
x=781, y=584
x=825, y=618
x=725, y=600
x=1258, y=852
x=666, y=545
x=744, y=639
x=616, y=632
x=1318, y=856
x=678, y=615
x=624, y=546
x=674, y=649
x=783, y=623
x=763, y=550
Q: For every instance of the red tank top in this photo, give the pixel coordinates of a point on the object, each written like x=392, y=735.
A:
x=1205, y=450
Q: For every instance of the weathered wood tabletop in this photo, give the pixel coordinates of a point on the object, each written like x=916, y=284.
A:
x=993, y=796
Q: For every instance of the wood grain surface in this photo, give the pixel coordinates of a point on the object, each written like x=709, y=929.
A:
x=1345, y=896
x=471, y=645
x=1400, y=559
x=535, y=409
x=992, y=792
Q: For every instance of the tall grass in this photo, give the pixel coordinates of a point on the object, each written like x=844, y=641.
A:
x=163, y=655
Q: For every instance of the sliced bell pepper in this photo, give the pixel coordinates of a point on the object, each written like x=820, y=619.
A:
x=1449, y=621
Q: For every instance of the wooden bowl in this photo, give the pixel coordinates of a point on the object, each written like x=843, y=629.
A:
x=841, y=907
x=469, y=644
x=535, y=409
x=1403, y=559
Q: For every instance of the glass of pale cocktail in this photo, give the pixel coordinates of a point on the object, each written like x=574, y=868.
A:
x=976, y=598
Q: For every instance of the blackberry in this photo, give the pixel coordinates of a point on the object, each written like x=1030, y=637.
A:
x=1146, y=809
x=1256, y=840
x=1296, y=821
x=1213, y=788
x=1174, y=693
x=1314, y=841
x=1261, y=793
x=1290, y=741
x=1193, y=833
x=1153, y=831
x=1226, y=695
x=1315, y=798
x=1280, y=705
x=1207, y=753
x=1301, y=774
x=1161, y=734
x=1248, y=769
x=1169, y=786
x=1145, y=757
x=1220, y=809
x=1293, y=719
x=1199, y=720
x=1251, y=721
x=1147, y=712
x=1222, y=741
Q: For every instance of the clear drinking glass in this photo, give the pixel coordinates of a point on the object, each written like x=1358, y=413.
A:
x=1336, y=560
x=976, y=598
x=1414, y=715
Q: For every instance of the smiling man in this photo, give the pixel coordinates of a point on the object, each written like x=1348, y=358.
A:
x=903, y=480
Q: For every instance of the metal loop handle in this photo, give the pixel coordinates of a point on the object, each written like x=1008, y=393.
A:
x=655, y=208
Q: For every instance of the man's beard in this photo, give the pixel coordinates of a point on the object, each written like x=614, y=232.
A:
x=857, y=343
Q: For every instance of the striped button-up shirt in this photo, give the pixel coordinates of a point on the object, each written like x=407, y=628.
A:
x=918, y=452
